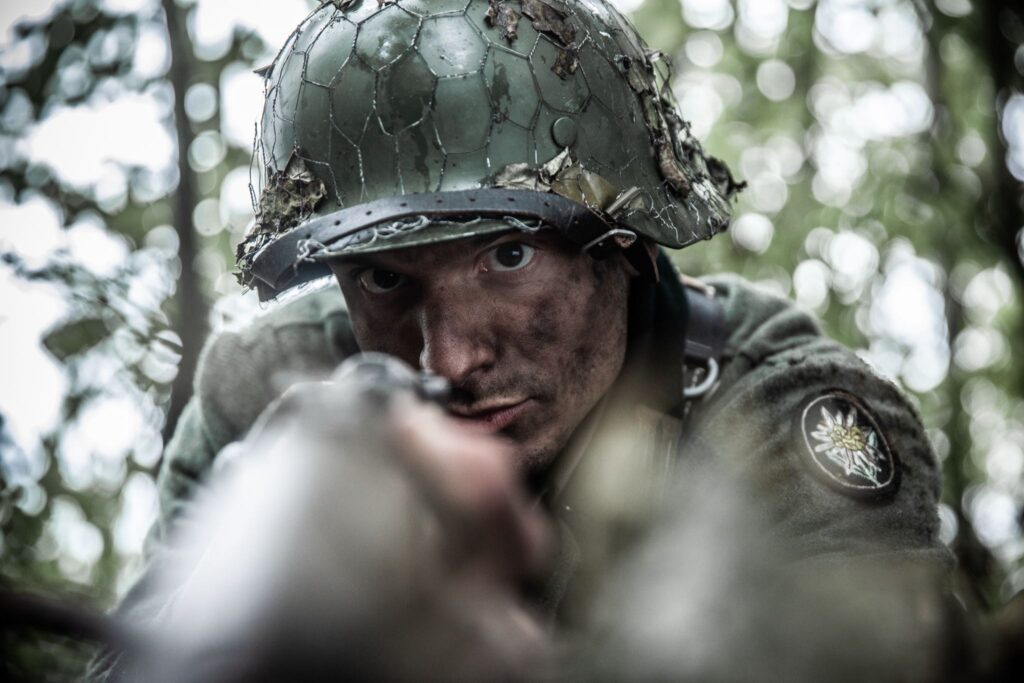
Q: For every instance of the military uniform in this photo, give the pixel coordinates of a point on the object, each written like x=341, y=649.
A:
x=775, y=363
x=775, y=367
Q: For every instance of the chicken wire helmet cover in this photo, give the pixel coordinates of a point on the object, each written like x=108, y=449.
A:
x=416, y=121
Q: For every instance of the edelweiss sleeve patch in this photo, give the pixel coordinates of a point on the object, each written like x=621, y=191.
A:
x=845, y=448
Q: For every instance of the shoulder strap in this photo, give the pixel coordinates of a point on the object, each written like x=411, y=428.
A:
x=705, y=339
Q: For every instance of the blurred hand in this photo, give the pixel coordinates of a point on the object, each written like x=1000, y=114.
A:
x=357, y=532
x=492, y=529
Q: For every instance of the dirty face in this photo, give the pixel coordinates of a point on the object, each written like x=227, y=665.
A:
x=530, y=332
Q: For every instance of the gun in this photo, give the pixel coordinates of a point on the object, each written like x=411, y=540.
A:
x=333, y=543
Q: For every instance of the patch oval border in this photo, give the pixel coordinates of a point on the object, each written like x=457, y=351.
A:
x=843, y=485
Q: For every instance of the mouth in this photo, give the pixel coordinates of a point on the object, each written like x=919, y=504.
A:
x=492, y=418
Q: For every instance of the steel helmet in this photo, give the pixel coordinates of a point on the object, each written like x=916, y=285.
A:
x=392, y=123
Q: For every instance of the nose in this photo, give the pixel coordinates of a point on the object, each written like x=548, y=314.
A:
x=456, y=342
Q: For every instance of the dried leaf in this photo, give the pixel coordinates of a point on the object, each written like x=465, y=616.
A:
x=585, y=187
x=547, y=19
x=520, y=176
x=671, y=169
x=563, y=176
x=721, y=176
x=652, y=116
x=501, y=15
x=290, y=197
x=663, y=136
x=566, y=63
x=556, y=165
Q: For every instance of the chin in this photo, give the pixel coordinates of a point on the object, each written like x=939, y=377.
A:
x=533, y=459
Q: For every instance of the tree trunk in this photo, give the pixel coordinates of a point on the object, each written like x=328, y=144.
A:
x=189, y=317
x=976, y=562
x=1003, y=27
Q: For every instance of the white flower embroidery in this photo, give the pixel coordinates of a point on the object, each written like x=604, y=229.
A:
x=852, y=446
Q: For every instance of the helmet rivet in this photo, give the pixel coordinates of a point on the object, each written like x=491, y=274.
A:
x=563, y=130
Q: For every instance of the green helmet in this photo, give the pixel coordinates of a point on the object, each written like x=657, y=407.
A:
x=393, y=123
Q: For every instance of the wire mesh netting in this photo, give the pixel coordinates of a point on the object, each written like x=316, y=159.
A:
x=367, y=101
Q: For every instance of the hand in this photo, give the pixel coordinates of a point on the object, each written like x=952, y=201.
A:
x=490, y=525
x=351, y=537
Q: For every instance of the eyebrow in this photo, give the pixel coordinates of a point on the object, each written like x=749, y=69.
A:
x=372, y=260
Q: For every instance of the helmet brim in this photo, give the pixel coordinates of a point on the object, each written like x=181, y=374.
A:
x=406, y=221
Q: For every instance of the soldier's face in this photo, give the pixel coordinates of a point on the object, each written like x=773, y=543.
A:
x=530, y=332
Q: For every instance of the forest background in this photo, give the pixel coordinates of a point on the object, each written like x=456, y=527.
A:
x=882, y=141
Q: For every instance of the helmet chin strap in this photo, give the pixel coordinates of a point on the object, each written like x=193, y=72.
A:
x=626, y=242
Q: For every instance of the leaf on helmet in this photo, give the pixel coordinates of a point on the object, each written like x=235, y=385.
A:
x=291, y=196
x=500, y=15
x=548, y=20
x=563, y=175
x=671, y=169
x=558, y=163
x=663, y=136
x=721, y=176
x=585, y=187
x=566, y=63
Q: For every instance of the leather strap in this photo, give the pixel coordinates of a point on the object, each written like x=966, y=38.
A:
x=705, y=340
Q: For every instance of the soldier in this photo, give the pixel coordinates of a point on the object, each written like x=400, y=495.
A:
x=493, y=184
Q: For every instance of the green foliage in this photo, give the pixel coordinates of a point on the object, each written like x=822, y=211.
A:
x=75, y=337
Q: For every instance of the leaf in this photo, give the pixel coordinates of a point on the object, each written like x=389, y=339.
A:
x=75, y=338
x=564, y=176
x=565, y=64
x=546, y=19
x=584, y=187
x=501, y=15
x=290, y=197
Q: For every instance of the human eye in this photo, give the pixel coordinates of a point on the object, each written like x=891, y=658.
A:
x=508, y=256
x=380, y=281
